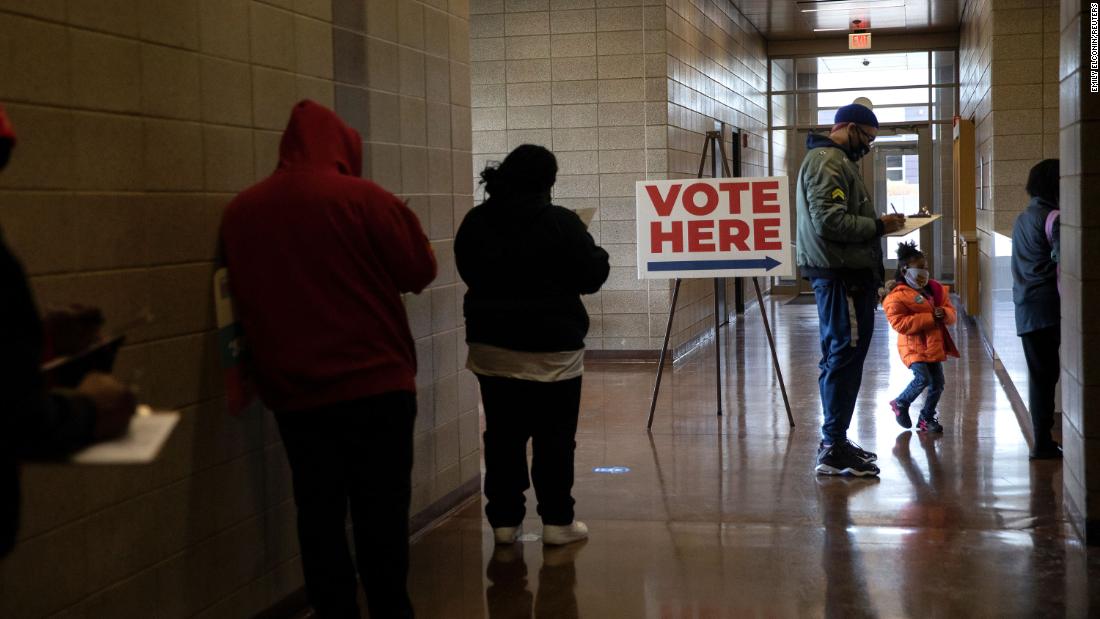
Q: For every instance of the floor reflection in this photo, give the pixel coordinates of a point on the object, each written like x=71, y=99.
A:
x=722, y=517
x=846, y=591
x=508, y=595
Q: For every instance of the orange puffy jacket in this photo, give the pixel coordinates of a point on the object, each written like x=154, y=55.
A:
x=921, y=338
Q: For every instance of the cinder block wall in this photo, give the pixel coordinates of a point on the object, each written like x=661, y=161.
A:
x=586, y=80
x=601, y=83
x=138, y=121
x=1080, y=226
x=717, y=71
x=1008, y=75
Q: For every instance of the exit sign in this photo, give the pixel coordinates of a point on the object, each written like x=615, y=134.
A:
x=859, y=40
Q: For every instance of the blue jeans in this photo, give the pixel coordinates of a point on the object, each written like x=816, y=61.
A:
x=846, y=316
x=925, y=376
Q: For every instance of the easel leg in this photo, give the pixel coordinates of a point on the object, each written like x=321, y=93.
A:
x=771, y=343
x=664, y=352
x=717, y=347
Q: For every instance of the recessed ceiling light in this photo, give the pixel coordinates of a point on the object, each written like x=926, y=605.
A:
x=861, y=6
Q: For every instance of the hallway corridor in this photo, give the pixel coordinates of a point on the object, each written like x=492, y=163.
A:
x=725, y=518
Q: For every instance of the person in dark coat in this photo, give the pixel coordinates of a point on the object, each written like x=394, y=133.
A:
x=36, y=422
x=318, y=259
x=527, y=262
x=1035, y=251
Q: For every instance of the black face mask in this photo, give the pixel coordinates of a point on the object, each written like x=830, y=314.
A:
x=857, y=152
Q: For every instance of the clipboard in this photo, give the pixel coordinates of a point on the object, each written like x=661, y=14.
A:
x=913, y=223
x=69, y=370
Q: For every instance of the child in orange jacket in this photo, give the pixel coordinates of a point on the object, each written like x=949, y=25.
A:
x=919, y=309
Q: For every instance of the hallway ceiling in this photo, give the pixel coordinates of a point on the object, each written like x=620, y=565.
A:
x=817, y=19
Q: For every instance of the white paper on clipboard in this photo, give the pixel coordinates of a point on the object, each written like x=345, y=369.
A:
x=912, y=224
x=140, y=445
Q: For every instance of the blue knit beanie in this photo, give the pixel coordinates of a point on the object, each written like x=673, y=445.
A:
x=856, y=113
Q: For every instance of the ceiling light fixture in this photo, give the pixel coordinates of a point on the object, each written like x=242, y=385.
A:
x=863, y=6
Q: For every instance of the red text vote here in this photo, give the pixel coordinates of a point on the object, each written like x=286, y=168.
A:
x=708, y=216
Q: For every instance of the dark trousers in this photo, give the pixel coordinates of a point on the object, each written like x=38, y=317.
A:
x=846, y=321
x=925, y=376
x=357, y=453
x=545, y=413
x=1043, y=369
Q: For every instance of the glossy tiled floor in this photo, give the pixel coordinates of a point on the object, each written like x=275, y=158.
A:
x=723, y=517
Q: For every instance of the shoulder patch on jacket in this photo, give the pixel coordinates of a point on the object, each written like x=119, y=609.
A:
x=838, y=193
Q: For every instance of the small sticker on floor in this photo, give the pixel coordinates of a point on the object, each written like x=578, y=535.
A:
x=529, y=537
x=611, y=470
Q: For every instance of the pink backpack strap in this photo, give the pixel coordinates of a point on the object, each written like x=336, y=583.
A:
x=1048, y=227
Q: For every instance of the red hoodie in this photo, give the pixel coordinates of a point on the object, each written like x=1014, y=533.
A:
x=6, y=130
x=318, y=259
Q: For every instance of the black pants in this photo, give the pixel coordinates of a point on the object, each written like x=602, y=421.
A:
x=1043, y=368
x=546, y=413
x=357, y=452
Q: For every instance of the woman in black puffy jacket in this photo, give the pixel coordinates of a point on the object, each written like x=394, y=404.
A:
x=526, y=263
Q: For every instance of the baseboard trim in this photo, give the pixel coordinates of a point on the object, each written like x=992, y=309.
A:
x=423, y=521
x=1086, y=530
x=1019, y=407
x=676, y=352
x=1023, y=417
x=295, y=605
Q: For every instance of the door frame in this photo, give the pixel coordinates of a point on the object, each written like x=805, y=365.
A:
x=923, y=149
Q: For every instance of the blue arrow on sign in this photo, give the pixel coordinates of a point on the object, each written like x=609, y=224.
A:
x=767, y=264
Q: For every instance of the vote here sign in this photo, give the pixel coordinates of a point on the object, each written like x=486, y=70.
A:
x=720, y=227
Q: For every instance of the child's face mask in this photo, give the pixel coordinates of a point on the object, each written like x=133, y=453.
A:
x=916, y=278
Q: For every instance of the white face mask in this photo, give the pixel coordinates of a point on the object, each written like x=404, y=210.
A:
x=916, y=278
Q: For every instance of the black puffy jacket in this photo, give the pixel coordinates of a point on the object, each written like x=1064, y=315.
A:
x=527, y=262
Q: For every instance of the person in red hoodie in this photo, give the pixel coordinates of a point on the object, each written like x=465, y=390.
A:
x=318, y=259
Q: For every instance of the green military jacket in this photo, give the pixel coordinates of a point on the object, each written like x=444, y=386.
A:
x=837, y=225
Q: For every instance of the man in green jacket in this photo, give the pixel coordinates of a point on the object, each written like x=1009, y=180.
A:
x=840, y=253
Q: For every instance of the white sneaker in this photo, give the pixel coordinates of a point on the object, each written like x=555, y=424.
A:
x=555, y=535
x=505, y=535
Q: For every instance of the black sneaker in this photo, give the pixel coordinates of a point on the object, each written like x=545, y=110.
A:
x=929, y=424
x=901, y=414
x=840, y=459
x=866, y=456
